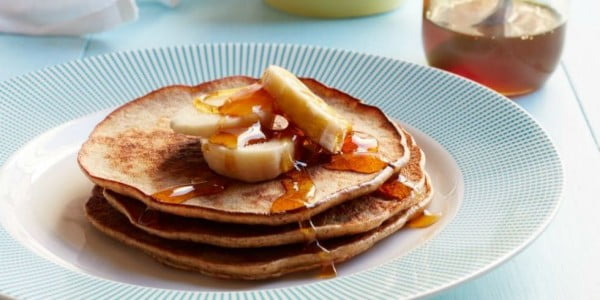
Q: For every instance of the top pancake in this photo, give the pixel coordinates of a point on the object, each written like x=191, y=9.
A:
x=351, y=217
x=134, y=152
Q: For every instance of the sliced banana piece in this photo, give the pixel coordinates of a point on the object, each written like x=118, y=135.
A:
x=223, y=109
x=251, y=163
x=309, y=112
x=192, y=122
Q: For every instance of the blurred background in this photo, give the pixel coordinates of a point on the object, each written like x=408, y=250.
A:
x=395, y=34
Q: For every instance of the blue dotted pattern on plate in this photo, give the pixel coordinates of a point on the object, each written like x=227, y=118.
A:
x=512, y=172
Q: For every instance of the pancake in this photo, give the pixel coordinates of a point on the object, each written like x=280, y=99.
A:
x=134, y=152
x=355, y=216
x=240, y=263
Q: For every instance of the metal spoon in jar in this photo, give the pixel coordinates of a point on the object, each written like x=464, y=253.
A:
x=494, y=24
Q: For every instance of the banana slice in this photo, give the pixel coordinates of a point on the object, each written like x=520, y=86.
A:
x=222, y=109
x=320, y=123
x=252, y=163
x=192, y=122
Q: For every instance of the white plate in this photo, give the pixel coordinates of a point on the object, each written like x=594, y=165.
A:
x=488, y=148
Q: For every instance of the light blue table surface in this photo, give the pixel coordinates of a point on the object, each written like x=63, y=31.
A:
x=564, y=263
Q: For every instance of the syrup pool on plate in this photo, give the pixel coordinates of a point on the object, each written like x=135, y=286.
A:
x=424, y=219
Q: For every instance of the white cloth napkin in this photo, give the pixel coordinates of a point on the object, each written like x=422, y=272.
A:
x=67, y=17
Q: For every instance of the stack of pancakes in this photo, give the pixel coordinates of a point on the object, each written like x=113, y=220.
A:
x=133, y=154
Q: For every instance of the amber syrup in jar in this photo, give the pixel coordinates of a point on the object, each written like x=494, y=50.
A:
x=513, y=58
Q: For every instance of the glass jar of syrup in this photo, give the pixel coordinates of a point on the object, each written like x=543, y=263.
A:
x=511, y=46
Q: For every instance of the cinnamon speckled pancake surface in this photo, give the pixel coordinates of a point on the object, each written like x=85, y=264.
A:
x=134, y=152
x=351, y=217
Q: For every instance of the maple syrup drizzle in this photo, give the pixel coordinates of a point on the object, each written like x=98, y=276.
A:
x=224, y=138
x=182, y=193
x=365, y=163
x=359, y=142
x=253, y=100
x=308, y=230
x=394, y=188
x=299, y=189
x=327, y=270
x=238, y=137
x=327, y=265
x=236, y=101
x=425, y=219
x=359, y=154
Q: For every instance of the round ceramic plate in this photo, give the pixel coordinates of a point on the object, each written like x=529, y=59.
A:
x=496, y=174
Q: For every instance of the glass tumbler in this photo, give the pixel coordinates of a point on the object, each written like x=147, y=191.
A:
x=511, y=46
